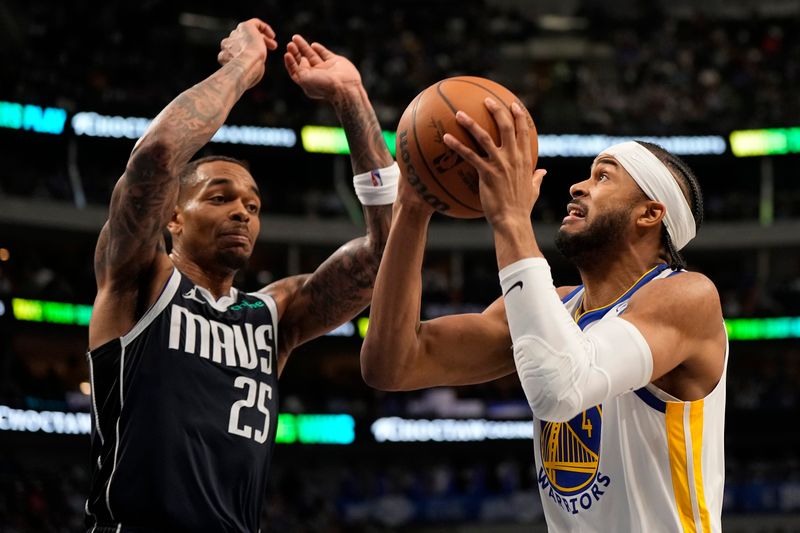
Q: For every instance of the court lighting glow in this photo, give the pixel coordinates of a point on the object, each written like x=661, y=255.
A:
x=396, y=429
x=80, y=314
x=51, y=312
x=29, y=420
x=591, y=145
x=739, y=329
x=315, y=429
x=93, y=124
x=332, y=140
x=775, y=141
x=32, y=118
x=302, y=429
x=756, y=329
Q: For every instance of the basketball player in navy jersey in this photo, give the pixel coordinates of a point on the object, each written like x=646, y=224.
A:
x=185, y=367
x=625, y=374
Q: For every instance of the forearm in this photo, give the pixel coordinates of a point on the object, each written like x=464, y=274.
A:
x=193, y=117
x=395, y=313
x=514, y=240
x=564, y=370
x=341, y=287
x=368, y=150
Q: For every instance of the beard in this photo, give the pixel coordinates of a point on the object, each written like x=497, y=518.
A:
x=596, y=240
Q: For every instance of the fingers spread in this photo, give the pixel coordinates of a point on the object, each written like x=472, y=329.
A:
x=306, y=51
x=291, y=64
x=523, y=133
x=267, y=30
x=323, y=52
x=504, y=122
x=481, y=135
x=271, y=44
x=467, y=153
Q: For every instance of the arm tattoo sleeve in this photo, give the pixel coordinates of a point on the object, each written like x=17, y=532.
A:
x=143, y=200
x=368, y=149
x=342, y=285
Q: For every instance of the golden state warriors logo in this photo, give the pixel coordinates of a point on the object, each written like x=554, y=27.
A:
x=571, y=451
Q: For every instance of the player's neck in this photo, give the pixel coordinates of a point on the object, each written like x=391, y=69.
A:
x=606, y=281
x=218, y=283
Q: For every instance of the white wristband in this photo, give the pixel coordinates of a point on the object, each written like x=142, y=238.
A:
x=377, y=187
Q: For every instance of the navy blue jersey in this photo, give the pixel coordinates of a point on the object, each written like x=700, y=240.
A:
x=184, y=414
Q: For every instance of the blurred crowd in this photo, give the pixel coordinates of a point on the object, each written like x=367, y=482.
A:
x=398, y=494
x=654, y=74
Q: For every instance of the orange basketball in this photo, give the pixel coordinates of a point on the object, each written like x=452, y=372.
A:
x=447, y=182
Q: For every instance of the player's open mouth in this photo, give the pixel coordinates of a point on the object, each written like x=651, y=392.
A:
x=574, y=212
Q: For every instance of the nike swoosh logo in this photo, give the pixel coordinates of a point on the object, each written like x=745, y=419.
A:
x=514, y=286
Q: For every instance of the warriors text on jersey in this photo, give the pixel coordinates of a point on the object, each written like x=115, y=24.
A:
x=184, y=414
x=643, y=461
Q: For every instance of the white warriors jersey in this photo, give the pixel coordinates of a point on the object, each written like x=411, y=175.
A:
x=643, y=461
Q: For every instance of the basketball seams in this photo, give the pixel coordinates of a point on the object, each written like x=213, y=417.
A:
x=488, y=90
x=425, y=161
x=441, y=177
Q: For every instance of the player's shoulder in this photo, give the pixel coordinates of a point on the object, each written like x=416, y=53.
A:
x=686, y=292
x=565, y=290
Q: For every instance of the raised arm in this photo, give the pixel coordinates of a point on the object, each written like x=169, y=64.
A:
x=144, y=197
x=312, y=304
x=402, y=353
x=130, y=260
x=564, y=370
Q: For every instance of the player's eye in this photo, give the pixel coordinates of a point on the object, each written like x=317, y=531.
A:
x=217, y=198
x=253, y=208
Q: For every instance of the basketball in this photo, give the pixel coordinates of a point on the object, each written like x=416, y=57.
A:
x=443, y=179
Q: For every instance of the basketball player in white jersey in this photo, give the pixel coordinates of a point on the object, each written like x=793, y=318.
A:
x=625, y=374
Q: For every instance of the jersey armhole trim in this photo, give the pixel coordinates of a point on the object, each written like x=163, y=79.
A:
x=273, y=309
x=170, y=288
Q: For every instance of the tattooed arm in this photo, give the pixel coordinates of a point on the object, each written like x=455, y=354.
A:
x=130, y=256
x=341, y=287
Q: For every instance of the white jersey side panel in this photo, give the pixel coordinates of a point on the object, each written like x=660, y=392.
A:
x=641, y=462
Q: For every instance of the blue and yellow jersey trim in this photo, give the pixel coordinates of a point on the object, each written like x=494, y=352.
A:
x=586, y=317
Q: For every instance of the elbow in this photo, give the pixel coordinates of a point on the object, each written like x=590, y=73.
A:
x=555, y=411
x=377, y=373
x=152, y=154
x=550, y=380
x=552, y=400
x=376, y=379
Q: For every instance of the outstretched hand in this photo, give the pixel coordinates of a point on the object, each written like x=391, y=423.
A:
x=249, y=42
x=318, y=71
x=509, y=187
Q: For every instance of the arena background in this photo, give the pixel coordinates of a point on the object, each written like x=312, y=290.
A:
x=717, y=81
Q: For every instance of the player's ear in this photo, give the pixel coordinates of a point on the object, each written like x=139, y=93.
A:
x=651, y=214
x=175, y=224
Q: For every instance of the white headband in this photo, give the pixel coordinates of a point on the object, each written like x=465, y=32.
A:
x=658, y=184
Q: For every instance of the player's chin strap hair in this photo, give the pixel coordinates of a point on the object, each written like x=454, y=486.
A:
x=564, y=370
x=377, y=187
x=658, y=184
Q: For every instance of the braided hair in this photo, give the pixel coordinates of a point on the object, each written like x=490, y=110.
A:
x=691, y=190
